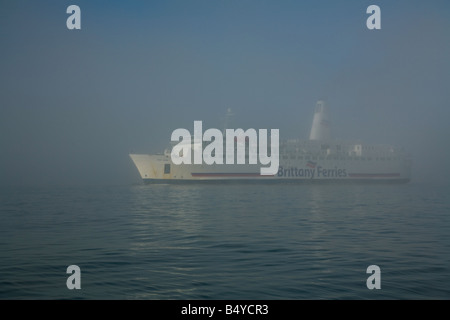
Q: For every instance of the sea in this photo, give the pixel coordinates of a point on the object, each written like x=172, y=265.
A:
x=236, y=241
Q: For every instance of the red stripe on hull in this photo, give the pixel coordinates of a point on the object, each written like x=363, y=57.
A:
x=219, y=174
x=373, y=175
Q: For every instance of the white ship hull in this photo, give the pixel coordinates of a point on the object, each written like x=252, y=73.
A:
x=159, y=168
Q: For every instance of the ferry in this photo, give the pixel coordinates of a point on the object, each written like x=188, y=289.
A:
x=320, y=158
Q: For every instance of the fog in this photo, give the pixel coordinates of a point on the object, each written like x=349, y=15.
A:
x=75, y=103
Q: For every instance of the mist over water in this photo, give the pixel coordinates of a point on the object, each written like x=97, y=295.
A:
x=75, y=103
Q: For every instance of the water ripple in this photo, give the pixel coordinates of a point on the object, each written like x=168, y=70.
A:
x=225, y=242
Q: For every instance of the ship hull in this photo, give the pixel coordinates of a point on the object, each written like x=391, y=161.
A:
x=159, y=168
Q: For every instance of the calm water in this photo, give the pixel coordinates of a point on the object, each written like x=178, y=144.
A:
x=226, y=241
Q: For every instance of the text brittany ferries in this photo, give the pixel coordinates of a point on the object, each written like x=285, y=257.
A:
x=235, y=154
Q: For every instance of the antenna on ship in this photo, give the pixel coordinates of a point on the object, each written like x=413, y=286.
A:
x=228, y=116
x=320, y=129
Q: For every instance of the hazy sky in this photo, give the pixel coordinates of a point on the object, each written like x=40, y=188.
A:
x=74, y=103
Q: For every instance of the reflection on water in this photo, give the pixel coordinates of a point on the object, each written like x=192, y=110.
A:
x=230, y=241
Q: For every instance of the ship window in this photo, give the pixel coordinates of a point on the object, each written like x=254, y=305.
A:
x=307, y=158
x=300, y=157
x=167, y=168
